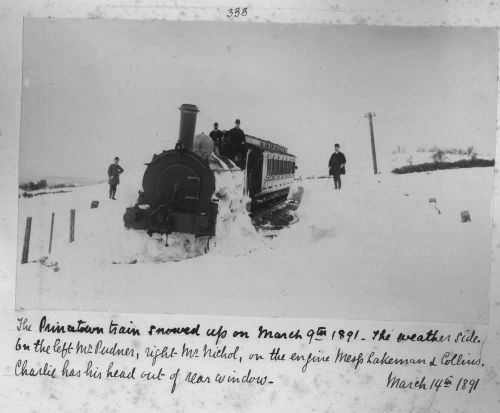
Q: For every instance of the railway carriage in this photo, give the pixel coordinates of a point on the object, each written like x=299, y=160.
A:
x=270, y=170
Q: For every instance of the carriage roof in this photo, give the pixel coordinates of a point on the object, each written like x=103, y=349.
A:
x=266, y=145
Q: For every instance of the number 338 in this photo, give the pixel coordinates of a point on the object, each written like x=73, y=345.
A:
x=237, y=12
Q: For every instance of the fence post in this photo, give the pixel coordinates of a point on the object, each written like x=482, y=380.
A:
x=72, y=226
x=26, y=246
x=51, y=232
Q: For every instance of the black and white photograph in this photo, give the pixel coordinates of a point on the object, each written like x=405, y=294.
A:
x=261, y=170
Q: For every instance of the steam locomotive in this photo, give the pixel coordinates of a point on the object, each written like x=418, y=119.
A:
x=179, y=185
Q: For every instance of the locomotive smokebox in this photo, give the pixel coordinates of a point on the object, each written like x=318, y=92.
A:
x=187, y=126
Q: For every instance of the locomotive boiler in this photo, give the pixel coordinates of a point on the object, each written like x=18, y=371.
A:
x=180, y=191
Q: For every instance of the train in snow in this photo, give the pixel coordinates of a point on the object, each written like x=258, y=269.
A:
x=179, y=185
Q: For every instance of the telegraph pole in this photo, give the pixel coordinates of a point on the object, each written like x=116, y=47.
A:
x=370, y=115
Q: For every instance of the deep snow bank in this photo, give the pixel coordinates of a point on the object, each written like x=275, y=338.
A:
x=375, y=249
x=102, y=239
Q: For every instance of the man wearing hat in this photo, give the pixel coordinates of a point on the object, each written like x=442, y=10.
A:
x=236, y=144
x=114, y=172
x=336, y=166
x=216, y=134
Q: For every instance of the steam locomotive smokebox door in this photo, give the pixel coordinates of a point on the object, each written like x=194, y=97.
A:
x=178, y=186
x=177, y=183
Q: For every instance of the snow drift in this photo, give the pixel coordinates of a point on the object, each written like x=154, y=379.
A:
x=375, y=249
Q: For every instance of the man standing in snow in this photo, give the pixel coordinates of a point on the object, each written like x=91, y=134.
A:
x=337, y=165
x=114, y=172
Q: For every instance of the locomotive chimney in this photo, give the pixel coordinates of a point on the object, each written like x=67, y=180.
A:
x=187, y=125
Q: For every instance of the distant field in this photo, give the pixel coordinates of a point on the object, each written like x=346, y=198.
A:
x=55, y=183
x=434, y=166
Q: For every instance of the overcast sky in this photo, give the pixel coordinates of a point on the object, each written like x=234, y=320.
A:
x=94, y=89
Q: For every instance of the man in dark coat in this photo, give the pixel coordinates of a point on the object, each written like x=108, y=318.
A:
x=216, y=134
x=337, y=165
x=114, y=172
x=234, y=144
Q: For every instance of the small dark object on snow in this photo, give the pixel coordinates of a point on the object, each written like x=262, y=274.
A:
x=49, y=264
x=94, y=204
x=465, y=216
x=432, y=200
x=406, y=194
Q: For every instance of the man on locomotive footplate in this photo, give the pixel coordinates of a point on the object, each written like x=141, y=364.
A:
x=114, y=171
x=234, y=144
x=216, y=134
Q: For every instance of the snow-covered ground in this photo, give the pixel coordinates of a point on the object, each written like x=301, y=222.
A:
x=377, y=249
